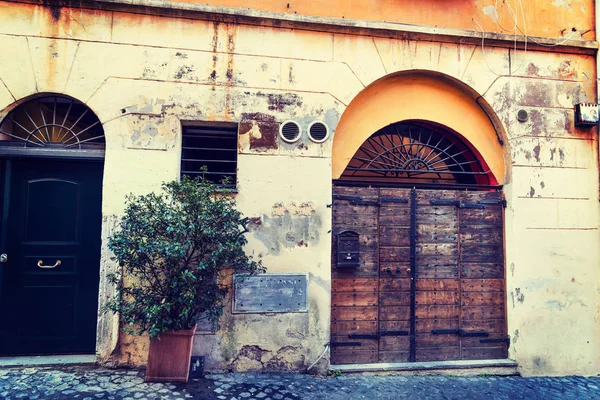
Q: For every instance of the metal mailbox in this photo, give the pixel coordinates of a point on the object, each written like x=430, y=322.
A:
x=348, y=250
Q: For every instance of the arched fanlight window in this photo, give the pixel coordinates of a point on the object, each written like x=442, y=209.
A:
x=52, y=121
x=416, y=152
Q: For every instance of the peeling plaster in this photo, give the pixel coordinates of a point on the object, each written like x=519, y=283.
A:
x=294, y=225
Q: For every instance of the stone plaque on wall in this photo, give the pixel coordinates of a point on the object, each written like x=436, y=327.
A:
x=263, y=293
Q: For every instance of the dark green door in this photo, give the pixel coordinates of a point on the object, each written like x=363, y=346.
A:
x=51, y=235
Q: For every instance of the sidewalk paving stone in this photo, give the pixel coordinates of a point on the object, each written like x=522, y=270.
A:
x=93, y=383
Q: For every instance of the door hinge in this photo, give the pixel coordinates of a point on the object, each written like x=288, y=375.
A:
x=393, y=333
x=460, y=332
x=393, y=200
x=456, y=203
x=495, y=340
x=502, y=202
x=344, y=344
x=356, y=200
x=363, y=336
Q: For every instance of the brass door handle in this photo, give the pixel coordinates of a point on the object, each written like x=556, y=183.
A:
x=40, y=262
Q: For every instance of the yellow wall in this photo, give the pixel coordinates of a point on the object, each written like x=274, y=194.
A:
x=144, y=74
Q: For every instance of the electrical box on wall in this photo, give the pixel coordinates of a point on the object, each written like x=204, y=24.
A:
x=586, y=114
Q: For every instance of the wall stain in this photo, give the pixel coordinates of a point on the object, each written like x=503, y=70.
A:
x=287, y=226
x=536, y=152
x=279, y=102
x=520, y=296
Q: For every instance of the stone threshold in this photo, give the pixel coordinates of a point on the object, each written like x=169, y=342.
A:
x=492, y=367
x=27, y=361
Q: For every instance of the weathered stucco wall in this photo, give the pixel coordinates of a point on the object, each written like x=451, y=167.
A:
x=144, y=75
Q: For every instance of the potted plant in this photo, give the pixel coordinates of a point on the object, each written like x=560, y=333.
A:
x=172, y=247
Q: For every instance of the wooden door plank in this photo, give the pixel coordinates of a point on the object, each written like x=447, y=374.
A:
x=432, y=340
x=490, y=325
x=438, y=353
x=394, y=285
x=427, y=325
x=354, y=285
x=394, y=325
x=342, y=355
x=484, y=353
x=394, y=236
x=393, y=356
x=437, y=311
x=483, y=299
x=482, y=270
x=387, y=343
x=482, y=312
x=354, y=299
x=344, y=328
x=482, y=285
x=437, y=297
x=437, y=284
x=394, y=254
x=394, y=299
x=437, y=272
x=365, y=313
x=394, y=313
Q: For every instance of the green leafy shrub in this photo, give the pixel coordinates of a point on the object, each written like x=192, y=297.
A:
x=172, y=248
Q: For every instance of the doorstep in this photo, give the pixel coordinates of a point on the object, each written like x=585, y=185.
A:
x=462, y=367
x=76, y=359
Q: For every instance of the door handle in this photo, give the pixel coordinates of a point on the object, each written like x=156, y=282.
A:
x=3, y=258
x=56, y=264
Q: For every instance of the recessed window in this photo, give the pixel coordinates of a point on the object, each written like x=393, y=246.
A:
x=214, y=147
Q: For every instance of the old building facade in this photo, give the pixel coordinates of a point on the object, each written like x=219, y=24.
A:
x=414, y=179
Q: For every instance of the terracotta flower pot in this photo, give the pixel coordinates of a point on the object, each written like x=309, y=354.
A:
x=169, y=356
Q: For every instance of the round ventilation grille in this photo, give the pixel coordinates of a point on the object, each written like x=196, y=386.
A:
x=289, y=131
x=318, y=132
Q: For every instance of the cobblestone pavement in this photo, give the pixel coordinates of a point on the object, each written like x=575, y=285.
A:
x=91, y=383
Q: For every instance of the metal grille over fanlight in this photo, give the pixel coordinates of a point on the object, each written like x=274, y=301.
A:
x=318, y=131
x=290, y=131
x=418, y=152
x=52, y=121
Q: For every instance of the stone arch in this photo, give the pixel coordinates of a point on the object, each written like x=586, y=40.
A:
x=426, y=96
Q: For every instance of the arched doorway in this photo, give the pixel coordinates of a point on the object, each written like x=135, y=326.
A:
x=51, y=166
x=418, y=254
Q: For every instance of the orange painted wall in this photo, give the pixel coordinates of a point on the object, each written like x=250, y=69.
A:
x=420, y=96
x=546, y=18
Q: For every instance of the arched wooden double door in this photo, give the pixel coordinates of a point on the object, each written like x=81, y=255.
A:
x=427, y=281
